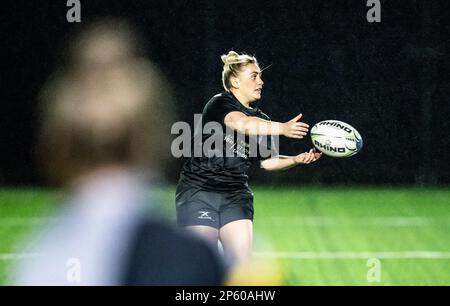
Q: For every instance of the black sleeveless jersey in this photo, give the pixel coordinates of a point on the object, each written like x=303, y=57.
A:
x=223, y=168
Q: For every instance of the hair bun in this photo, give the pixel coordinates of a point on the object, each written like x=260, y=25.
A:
x=231, y=58
x=232, y=65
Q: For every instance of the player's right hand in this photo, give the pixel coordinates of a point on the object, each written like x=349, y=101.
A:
x=295, y=129
x=308, y=157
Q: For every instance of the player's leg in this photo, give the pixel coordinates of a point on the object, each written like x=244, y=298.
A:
x=237, y=240
x=236, y=225
x=210, y=234
x=196, y=214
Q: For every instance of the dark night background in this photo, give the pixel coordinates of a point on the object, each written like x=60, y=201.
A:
x=390, y=80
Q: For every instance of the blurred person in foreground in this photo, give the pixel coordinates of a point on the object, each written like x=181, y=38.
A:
x=104, y=134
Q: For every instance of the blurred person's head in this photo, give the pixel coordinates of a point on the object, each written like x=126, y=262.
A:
x=103, y=42
x=115, y=114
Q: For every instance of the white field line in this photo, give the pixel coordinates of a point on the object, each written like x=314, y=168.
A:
x=320, y=221
x=354, y=255
x=302, y=255
x=18, y=221
x=16, y=256
x=312, y=221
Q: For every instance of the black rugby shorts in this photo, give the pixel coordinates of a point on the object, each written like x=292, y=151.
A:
x=211, y=208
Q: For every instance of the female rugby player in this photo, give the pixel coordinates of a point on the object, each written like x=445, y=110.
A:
x=213, y=197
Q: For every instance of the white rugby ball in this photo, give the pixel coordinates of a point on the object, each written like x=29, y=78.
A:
x=336, y=138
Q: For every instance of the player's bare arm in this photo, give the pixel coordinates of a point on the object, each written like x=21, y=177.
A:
x=282, y=162
x=256, y=126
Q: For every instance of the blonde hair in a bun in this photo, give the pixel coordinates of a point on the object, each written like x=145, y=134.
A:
x=232, y=64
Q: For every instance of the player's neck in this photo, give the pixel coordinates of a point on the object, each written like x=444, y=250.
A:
x=245, y=102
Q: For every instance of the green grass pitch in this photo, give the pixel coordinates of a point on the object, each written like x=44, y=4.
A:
x=318, y=235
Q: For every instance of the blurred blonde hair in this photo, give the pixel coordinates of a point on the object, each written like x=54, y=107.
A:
x=103, y=42
x=232, y=65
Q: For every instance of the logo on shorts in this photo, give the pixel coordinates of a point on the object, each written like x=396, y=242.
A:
x=204, y=215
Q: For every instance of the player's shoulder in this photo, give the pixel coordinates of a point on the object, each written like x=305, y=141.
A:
x=221, y=98
x=221, y=101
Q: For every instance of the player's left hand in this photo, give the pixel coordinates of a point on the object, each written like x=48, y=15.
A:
x=308, y=157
